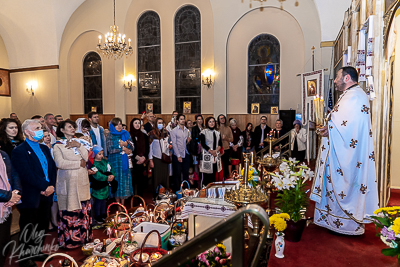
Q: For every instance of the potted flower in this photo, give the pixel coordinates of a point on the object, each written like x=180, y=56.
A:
x=292, y=198
x=387, y=223
x=279, y=223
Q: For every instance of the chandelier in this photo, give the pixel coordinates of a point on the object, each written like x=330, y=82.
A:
x=114, y=45
x=280, y=1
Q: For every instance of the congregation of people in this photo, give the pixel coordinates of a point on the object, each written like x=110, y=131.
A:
x=60, y=173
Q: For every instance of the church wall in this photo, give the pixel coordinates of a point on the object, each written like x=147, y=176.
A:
x=290, y=36
x=45, y=99
x=166, y=11
x=5, y=101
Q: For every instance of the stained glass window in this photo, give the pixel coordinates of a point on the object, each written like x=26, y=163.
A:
x=149, y=63
x=92, y=83
x=188, y=58
x=263, y=73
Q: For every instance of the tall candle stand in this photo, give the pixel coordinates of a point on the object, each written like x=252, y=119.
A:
x=269, y=164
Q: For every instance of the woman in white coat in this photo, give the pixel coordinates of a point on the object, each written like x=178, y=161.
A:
x=298, y=141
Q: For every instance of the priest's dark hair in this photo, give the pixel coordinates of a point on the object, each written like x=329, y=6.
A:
x=350, y=71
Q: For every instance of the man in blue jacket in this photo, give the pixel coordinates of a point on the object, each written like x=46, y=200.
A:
x=97, y=132
x=37, y=172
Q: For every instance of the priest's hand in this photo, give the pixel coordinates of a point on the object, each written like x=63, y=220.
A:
x=324, y=131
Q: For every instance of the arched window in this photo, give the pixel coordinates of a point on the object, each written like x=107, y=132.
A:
x=187, y=59
x=263, y=73
x=92, y=83
x=149, y=63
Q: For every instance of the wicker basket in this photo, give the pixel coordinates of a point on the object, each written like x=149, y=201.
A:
x=63, y=255
x=147, y=250
x=133, y=209
x=112, y=216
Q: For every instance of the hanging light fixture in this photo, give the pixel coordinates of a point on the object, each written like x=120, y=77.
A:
x=280, y=1
x=114, y=45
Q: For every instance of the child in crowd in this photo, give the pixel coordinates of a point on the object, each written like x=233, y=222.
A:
x=104, y=174
x=193, y=177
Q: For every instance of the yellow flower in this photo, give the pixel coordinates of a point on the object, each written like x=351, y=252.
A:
x=392, y=212
x=396, y=226
x=221, y=246
x=280, y=224
x=378, y=210
x=284, y=216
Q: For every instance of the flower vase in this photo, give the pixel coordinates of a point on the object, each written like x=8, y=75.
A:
x=279, y=245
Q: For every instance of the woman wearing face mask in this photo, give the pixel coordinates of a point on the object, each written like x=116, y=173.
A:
x=159, y=143
x=73, y=189
x=10, y=135
x=139, y=157
x=211, y=143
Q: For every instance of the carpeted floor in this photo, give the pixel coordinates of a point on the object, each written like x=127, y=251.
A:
x=320, y=248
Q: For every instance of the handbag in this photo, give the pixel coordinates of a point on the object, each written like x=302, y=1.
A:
x=164, y=157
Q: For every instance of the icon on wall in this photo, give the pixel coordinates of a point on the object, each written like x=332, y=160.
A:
x=149, y=107
x=274, y=110
x=255, y=108
x=94, y=109
x=312, y=87
x=187, y=107
x=5, y=83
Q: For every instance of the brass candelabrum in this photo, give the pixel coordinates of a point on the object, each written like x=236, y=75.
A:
x=245, y=194
x=269, y=164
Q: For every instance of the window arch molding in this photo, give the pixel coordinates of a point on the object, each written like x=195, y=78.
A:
x=263, y=73
x=187, y=39
x=149, y=61
x=92, y=82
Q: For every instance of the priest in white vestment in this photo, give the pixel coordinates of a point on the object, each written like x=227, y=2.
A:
x=345, y=186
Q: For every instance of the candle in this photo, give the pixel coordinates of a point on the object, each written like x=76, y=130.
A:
x=252, y=158
x=129, y=262
x=60, y=263
x=109, y=232
x=115, y=232
x=131, y=237
x=99, y=39
x=321, y=114
x=278, y=134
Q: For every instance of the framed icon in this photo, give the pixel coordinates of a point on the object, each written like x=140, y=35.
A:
x=274, y=110
x=312, y=87
x=5, y=83
x=255, y=108
x=149, y=107
x=94, y=109
x=187, y=107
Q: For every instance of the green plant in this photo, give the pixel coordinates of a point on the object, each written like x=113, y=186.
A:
x=290, y=181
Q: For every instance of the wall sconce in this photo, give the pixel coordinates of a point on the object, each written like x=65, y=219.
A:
x=206, y=77
x=128, y=81
x=31, y=87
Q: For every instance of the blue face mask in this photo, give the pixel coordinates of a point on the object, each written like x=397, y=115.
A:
x=159, y=126
x=38, y=135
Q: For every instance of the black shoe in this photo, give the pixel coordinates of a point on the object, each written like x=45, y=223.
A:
x=27, y=263
x=41, y=257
